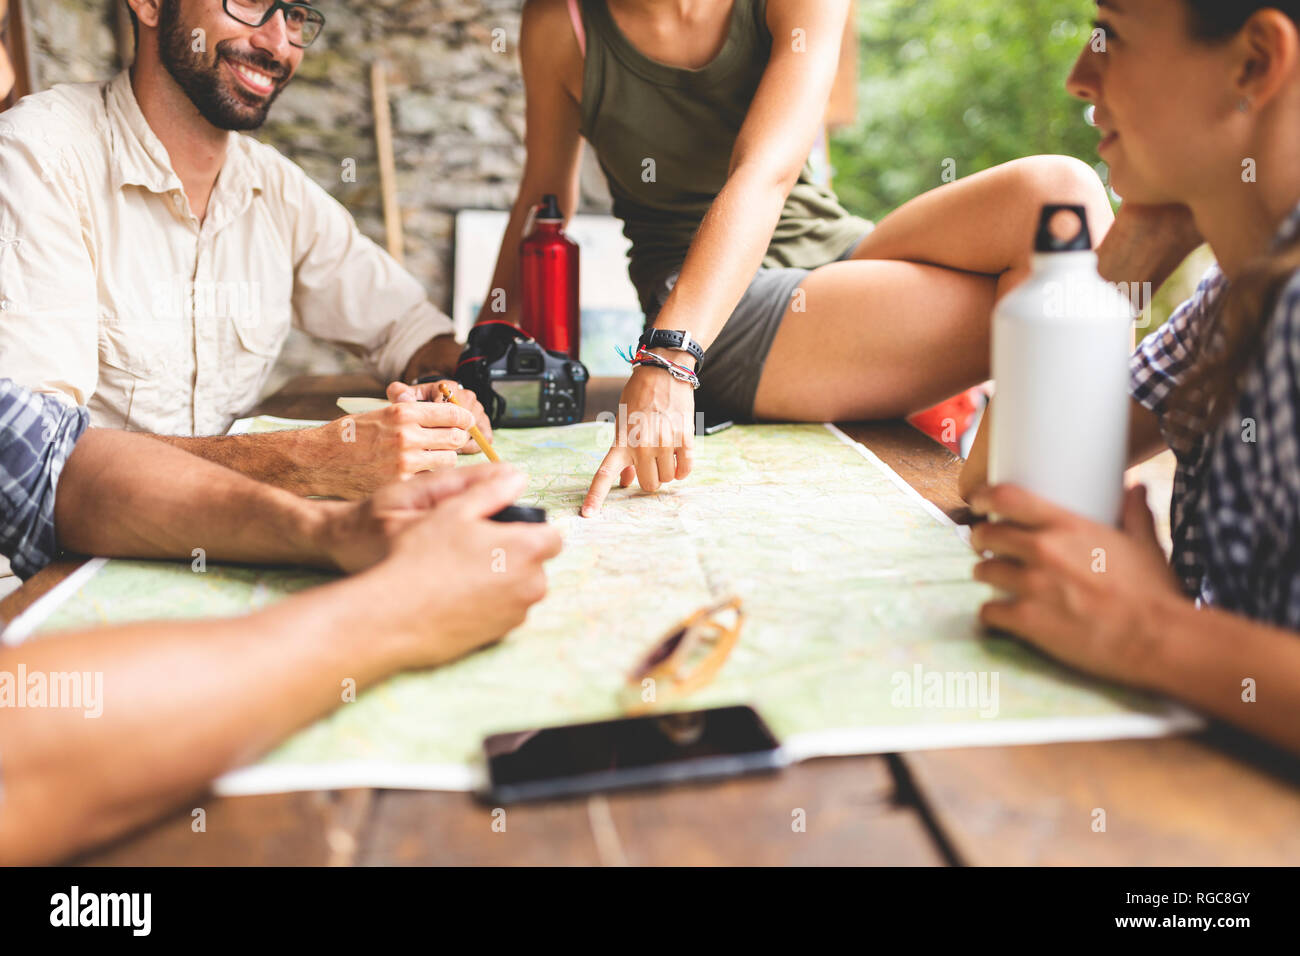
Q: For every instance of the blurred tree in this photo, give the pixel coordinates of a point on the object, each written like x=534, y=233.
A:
x=958, y=86
x=950, y=87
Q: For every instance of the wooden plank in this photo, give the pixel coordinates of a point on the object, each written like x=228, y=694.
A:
x=1167, y=802
x=18, y=41
x=922, y=462
x=387, y=166
x=37, y=587
x=848, y=813
x=319, y=828
x=417, y=828
x=847, y=808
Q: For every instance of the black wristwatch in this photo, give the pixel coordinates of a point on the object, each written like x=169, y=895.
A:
x=681, y=340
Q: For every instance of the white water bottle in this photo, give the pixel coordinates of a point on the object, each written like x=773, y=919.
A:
x=1061, y=344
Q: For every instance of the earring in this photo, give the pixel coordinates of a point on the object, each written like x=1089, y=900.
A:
x=1244, y=105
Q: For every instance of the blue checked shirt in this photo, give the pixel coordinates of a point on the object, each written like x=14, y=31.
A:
x=1235, y=512
x=37, y=433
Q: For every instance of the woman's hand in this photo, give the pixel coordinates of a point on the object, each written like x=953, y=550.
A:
x=1147, y=243
x=1087, y=594
x=655, y=437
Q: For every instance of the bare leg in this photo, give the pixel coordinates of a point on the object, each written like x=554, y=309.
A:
x=906, y=322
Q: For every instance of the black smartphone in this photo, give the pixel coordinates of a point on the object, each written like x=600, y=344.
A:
x=520, y=513
x=628, y=752
x=711, y=423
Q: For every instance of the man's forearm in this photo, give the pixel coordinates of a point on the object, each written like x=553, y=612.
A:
x=125, y=495
x=438, y=356
x=179, y=703
x=281, y=459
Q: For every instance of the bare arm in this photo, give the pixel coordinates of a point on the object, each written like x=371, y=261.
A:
x=778, y=133
x=125, y=495
x=350, y=457
x=1207, y=655
x=182, y=702
x=1131, y=624
x=552, y=70
x=773, y=145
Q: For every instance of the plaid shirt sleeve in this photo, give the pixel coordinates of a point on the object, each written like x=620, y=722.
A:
x=37, y=433
x=1165, y=356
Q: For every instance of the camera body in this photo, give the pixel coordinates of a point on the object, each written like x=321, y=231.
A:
x=521, y=384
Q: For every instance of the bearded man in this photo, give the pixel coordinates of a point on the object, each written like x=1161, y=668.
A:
x=153, y=259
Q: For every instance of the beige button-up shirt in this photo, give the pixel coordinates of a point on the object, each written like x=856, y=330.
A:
x=114, y=295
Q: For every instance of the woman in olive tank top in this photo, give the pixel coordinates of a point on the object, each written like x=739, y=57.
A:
x=702, y=114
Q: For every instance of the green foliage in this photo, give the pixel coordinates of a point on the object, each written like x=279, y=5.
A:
x=979, y=82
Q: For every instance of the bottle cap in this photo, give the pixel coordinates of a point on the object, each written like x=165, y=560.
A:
x=550, y=208
x=1047, y=239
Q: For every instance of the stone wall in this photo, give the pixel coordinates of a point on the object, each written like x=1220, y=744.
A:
x=457, y=102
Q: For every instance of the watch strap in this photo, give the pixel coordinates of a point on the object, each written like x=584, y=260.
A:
x=678, y=339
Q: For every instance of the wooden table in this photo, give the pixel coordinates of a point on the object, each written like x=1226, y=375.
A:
x=1211, y=799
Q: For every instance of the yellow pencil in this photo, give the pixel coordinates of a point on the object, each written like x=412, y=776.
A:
x=474, y=431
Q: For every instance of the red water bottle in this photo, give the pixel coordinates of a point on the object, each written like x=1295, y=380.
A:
x=548, y=281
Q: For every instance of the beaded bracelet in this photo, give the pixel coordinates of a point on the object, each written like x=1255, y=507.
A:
x=679, y=372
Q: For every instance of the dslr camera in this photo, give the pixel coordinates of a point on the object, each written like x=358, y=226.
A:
x=519, y=383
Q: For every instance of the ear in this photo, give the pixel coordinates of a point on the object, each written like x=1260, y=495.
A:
x=146, y=11
x=1270, y=47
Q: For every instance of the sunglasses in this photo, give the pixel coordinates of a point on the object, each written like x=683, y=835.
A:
x=687, y=658
x=302, y=21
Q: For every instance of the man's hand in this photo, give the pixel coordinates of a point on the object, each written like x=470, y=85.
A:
x=457, y=580
x=1087, y=594
x=358, y=535
x=432, y=392
x=357, y=454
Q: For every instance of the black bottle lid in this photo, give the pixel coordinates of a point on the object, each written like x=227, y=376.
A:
x=1048, y=241
x=550, y=208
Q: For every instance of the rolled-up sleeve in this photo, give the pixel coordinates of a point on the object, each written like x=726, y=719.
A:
x=37, y=434
x=349, y=291
x=49, y=310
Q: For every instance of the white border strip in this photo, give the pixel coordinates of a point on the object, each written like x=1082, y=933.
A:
x=991, y=733
x=845, y=742
x=25, y=624
x=346, y=775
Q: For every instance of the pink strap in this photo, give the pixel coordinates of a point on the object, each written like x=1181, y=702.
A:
x=578, y=29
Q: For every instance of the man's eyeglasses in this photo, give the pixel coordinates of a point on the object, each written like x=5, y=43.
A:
x=302, y=21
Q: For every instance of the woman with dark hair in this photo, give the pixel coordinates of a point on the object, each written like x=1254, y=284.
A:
x=702, y=114
x=1198, y=102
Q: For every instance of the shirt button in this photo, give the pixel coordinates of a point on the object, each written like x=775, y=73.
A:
x=4, y=304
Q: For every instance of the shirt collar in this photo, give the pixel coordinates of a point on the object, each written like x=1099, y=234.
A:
x=140, y=158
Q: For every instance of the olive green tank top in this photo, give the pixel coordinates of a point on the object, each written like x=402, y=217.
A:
x=664, y=138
